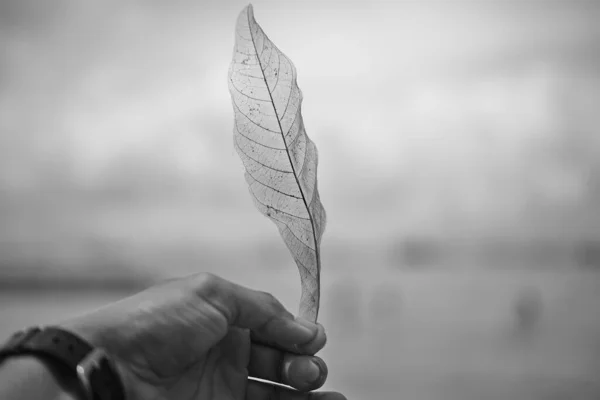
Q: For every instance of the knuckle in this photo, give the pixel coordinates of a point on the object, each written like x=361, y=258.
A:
x=211, y=290
x=275, y=306
x=207, y=284
x=204, y=279
x=272, y=301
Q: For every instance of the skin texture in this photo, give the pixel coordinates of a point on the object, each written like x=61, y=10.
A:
x=200, y=337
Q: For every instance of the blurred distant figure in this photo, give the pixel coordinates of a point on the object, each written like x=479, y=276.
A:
x=417, y=252
x=527, y=310
x=344, y=307
x=385, y=308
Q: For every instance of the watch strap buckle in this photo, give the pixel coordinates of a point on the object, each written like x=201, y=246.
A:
x=87, y=366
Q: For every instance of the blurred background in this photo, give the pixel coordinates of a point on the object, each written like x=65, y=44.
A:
x=459, y=148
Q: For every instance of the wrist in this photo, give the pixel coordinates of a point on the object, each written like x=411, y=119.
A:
x=67, y=355
x=34, y=373
x=101, y=333
x=97, y=330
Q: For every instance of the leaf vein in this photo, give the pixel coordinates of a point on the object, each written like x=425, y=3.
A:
x=254, y=141
x=271, y=187
x=275, y=208
x=258, y=162
x=253, y=122
x=244, y=94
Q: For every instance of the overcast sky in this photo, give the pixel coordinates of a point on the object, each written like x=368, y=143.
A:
x=429, y=116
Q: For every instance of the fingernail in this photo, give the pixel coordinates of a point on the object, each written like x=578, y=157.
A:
x=310, y=328
x=304, y=374
x=313, y=374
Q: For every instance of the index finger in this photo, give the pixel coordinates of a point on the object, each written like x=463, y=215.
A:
x=258, y=311
x=309, y=348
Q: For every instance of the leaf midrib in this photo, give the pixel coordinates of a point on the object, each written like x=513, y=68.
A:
x=312, y=223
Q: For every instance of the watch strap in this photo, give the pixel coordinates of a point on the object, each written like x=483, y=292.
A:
x=92, y=366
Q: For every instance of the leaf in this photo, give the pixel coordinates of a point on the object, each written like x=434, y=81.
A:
x=280, y=159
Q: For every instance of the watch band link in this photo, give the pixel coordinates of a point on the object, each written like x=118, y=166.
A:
x=95, y=372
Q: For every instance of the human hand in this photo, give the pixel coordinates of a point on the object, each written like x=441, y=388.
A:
x=200, y=337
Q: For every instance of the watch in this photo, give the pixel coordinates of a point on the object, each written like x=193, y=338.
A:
x=92, y=366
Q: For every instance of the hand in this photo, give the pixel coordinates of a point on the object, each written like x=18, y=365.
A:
x=199, y=338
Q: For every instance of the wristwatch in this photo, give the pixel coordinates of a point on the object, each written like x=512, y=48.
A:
x=92, y=366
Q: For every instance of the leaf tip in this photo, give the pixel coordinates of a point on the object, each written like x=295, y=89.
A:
x=250, y=10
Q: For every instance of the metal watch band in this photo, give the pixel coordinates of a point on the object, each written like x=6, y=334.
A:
x=92, y=366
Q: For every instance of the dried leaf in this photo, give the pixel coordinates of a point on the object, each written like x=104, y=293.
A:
x=280, y=159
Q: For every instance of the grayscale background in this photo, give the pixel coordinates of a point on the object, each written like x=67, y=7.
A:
x=459, y=148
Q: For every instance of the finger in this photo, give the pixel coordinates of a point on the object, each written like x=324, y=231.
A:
x=302, y=372
x=258, y=311
x=235, y=347
x=310, y=348
x=263, y=391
